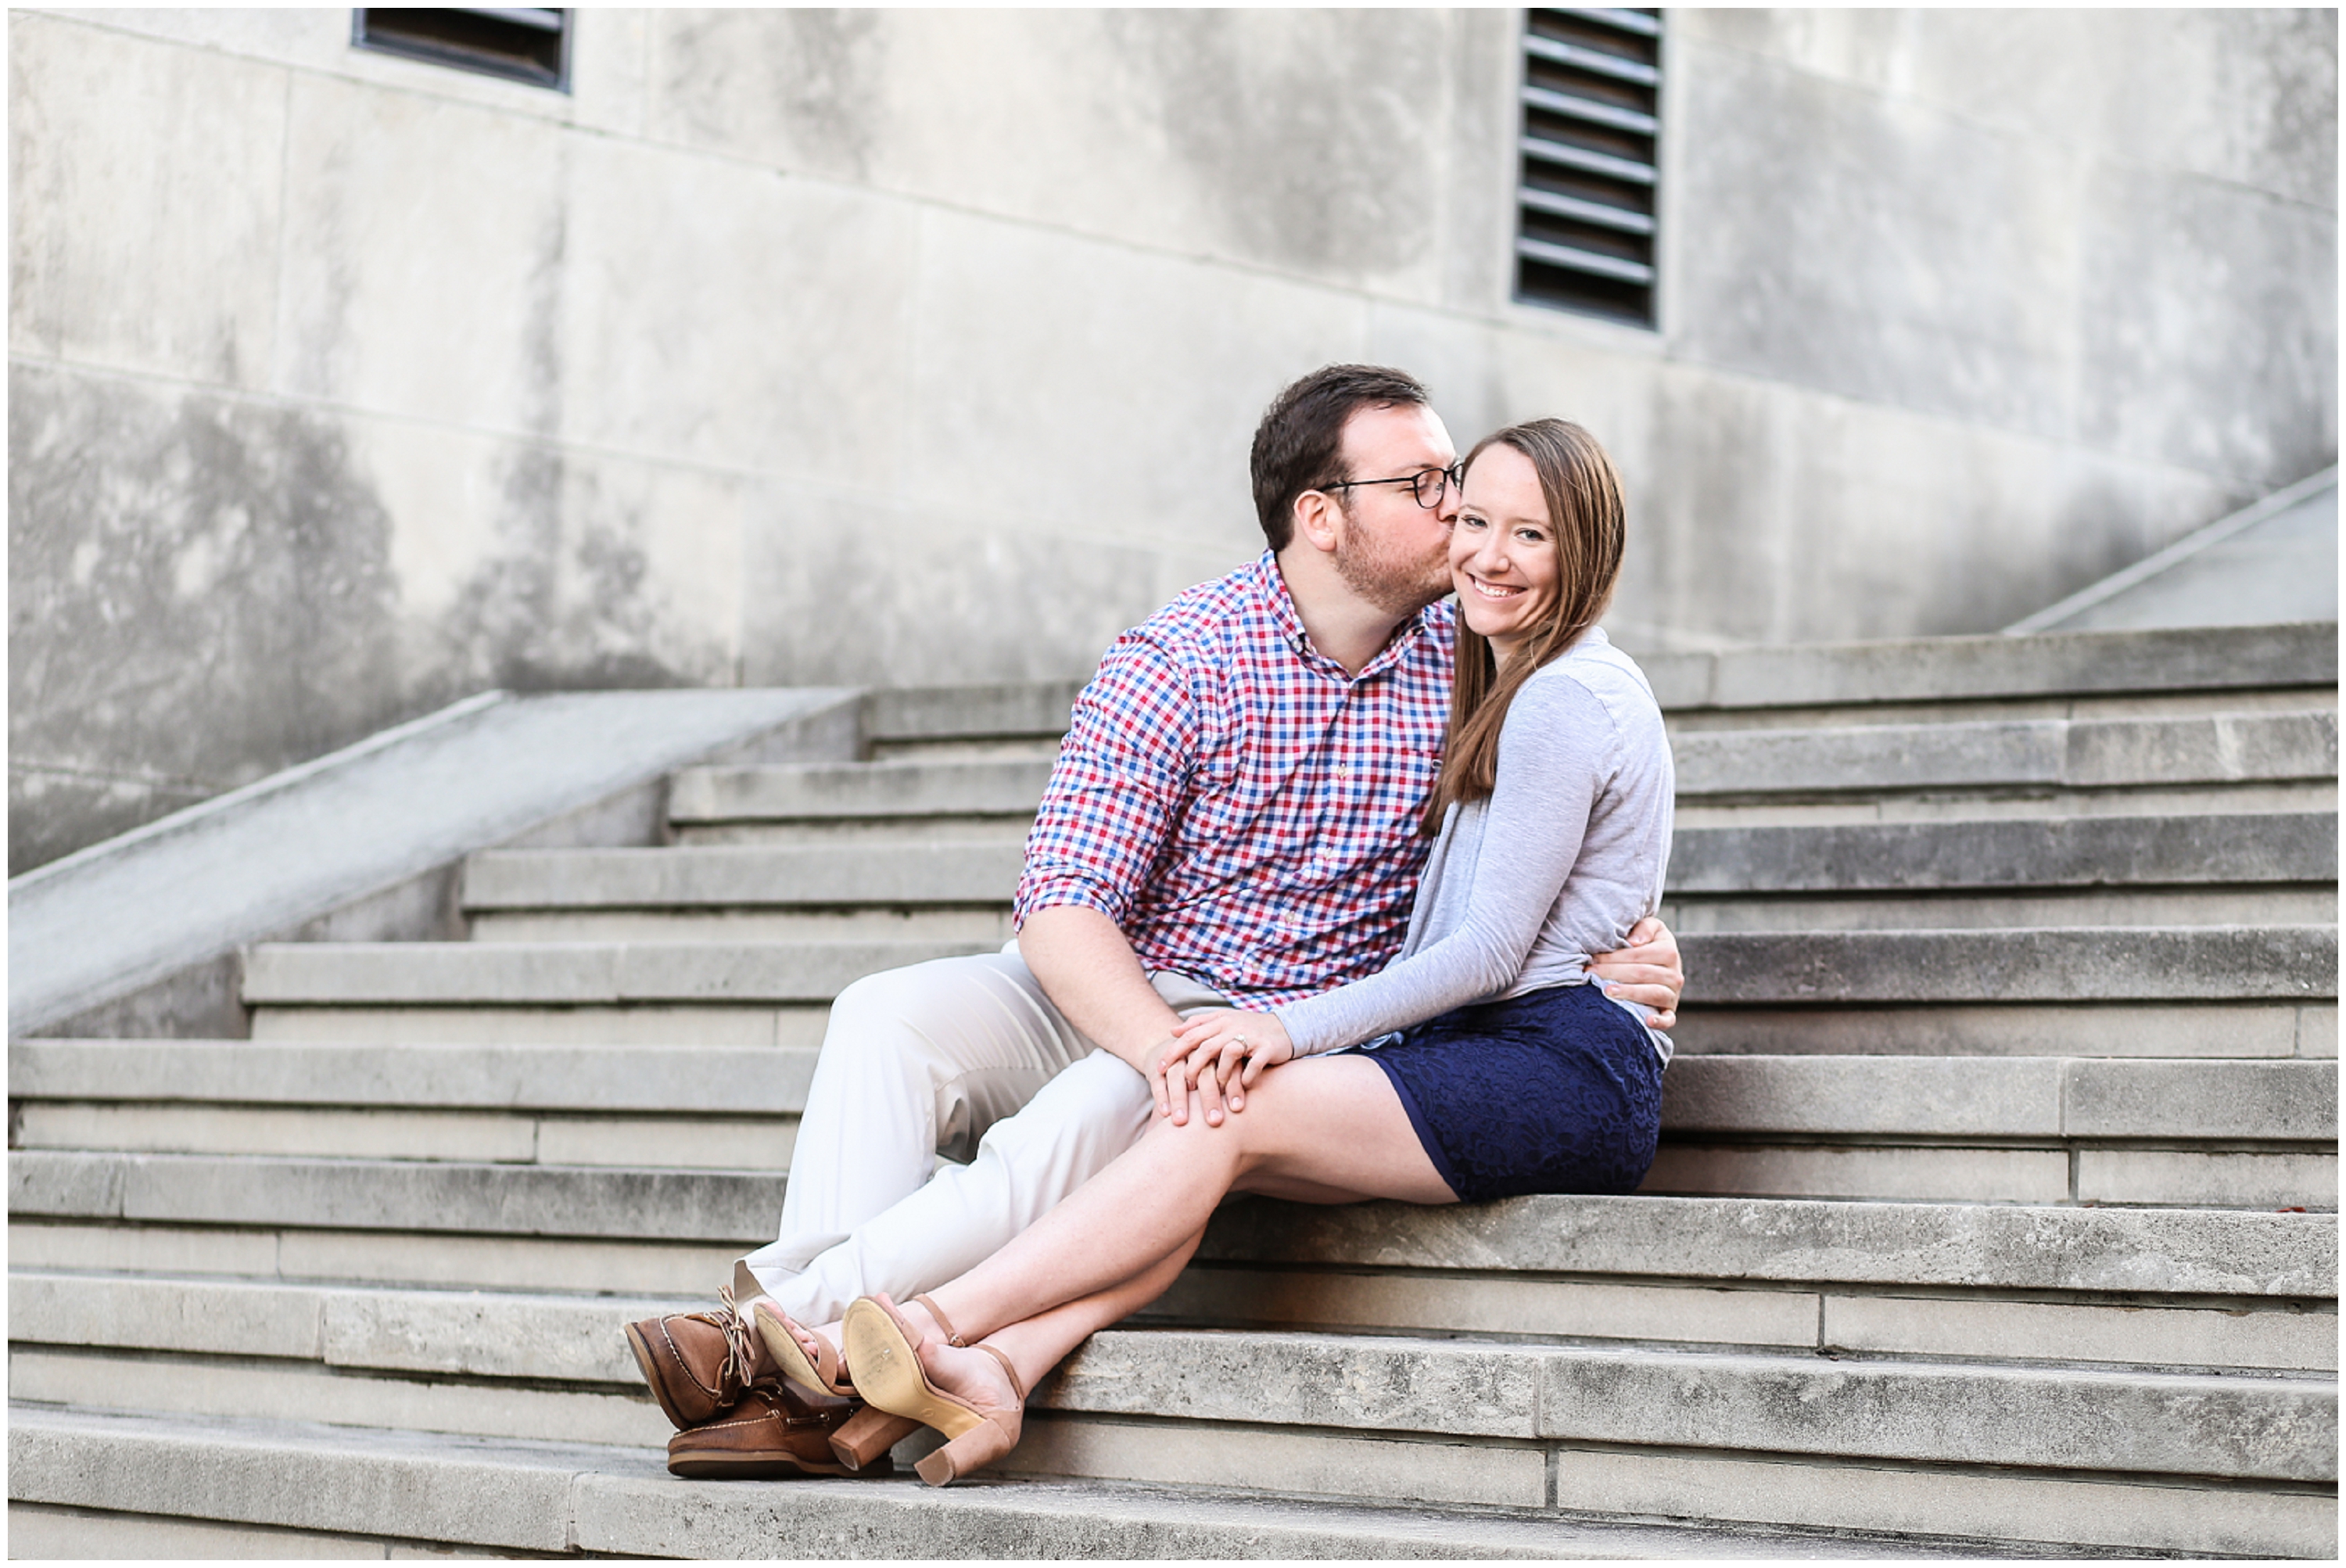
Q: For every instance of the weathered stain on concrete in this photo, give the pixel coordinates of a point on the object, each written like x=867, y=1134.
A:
x=804, y=86
x=1311, y=138
x=197, y=591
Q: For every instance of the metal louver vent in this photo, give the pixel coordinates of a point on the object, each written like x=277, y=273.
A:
x=523, y=44
x=1585, y=201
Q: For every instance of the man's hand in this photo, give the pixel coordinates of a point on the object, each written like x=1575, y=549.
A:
x=1206, y=1052
x=1646, y=972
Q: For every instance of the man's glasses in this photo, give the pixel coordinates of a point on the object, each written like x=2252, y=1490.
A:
x=1429, y=487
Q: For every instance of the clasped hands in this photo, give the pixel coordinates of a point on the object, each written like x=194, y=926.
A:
x=1219, y=1051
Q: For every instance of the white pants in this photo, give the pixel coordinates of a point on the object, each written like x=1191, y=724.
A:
x=932, y=1060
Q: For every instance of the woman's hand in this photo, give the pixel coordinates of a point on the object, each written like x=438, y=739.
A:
x=1646, y=972
x=1208, y=1051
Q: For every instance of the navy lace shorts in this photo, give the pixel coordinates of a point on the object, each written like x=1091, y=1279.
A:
x=1556, y=1091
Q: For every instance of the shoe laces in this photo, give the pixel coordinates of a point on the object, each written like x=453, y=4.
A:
x=741, y=1348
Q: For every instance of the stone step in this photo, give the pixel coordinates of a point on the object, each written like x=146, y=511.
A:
x=425, y=974
x=2219, y=1133
x=1887, y=1243
x=818, y=876
x=2024, y=804
x=2039, y=1417
x=1007, y=787
x=293, y=1484
x=1997, y=1168
x=2034, y=854
x=448, y=1362
x=412, y=1196
x=789, y=1026
x=649, y=1266
x=2049, y=1131
x=708, y=1080
x=1691, y=914
x=2059, y=674
x=2036, y=755
x=2088, y=963
x=1850, y=678
x=907, y=716
x=990, y=929
x=728, y=1140
x=2198, y=1028
x=1693, y=812
x=2259, y=1029
x=439, y=1360
x=2146, y=870
x=1739, y=969
x=970, y=929
x=2180, y=1327
x=1837, y=1096
x=2002, y=754
x=571, y=1337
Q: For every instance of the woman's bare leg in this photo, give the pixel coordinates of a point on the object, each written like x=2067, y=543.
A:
x=1324, y=1129
x=1040, y=1343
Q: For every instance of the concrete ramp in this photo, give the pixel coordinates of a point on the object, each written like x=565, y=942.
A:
x=2274, y=562
x=367, y=839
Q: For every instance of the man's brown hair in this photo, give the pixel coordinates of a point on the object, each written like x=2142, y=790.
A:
x=1299, y=445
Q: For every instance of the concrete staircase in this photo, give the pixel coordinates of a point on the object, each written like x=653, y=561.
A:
x=1995, y=1212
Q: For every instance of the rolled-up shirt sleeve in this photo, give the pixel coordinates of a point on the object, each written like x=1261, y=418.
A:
x=1115, y=792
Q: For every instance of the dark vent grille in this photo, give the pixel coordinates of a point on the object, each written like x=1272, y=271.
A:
x=1584, y=203
x=523, y=44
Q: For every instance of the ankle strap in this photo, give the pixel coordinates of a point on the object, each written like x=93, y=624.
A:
x=1017, y=1386
x=944, y=1323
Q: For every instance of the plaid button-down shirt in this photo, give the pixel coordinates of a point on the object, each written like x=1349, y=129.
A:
x=1243, y=810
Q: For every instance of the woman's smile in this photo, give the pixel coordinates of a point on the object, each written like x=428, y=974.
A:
x=1491, y=590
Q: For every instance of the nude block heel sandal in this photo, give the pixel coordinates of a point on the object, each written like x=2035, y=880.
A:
x=881, y=1345
x=781, y=1331
x=866, y=1436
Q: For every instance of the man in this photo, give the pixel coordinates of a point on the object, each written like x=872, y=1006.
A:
x=1232, y=819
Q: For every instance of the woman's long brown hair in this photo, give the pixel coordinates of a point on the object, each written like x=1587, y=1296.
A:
x=1587, y=516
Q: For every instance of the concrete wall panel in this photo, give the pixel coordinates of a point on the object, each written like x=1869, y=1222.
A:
x=2212, y=340
x=171, y=263
x=1946, y=255
x=521, y=564
x=1312, y=141
x=435, y=253
x=2245, y=96
x=735, y=317
x=850, y=589
x=1098, y=390
x=610, y=57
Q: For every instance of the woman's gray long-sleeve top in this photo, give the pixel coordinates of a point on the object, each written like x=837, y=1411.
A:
x=1566, y=855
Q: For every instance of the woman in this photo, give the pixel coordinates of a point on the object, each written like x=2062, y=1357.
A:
x=1554, y=809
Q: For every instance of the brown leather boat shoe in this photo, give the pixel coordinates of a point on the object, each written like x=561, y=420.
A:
x=776, y=1431
x=699, y=1364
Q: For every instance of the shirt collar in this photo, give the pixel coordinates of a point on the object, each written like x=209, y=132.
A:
x=1279, y=604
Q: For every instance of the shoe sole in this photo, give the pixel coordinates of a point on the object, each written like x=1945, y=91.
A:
x=766, y=1467
x=783, y=1347
x=889, y=1374
x=647, y=1362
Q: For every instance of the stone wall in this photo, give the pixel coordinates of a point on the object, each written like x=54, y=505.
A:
x=803, y=346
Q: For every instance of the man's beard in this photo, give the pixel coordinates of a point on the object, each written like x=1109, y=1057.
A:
x=1384, y=578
